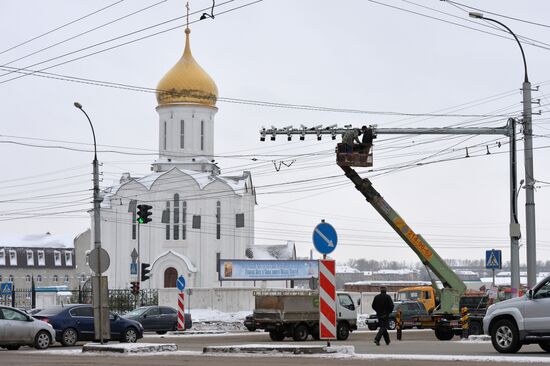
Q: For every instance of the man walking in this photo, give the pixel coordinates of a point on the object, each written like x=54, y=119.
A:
x=383, y=305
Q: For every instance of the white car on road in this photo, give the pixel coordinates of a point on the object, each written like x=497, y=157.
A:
x=521, y=320
x=19, y=329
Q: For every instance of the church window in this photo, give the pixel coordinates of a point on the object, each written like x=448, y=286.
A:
x=68, y=258
x=170, y=277
x=38, y=278
x=66, y=278
x=168, y=220
x=2, y=257
x=239, y=218
x=57, y=258
x=202, y=135
x=196, y=221
x=218, y=219
x=28, y=278
x=10, y=278
x=164, y=136
x=183, y=220
x=176, y=216
x=132, y=207
x=55, y=278
x=182, y=134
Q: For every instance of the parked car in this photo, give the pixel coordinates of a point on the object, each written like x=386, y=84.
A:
x=75, y=322
x=19, y=329
x=159, y=319
x=520, y=320
x=408, y=309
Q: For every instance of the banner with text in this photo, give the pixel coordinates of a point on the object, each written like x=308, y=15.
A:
x=266, y=270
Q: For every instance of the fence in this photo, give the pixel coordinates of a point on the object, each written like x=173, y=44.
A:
x=120, y=301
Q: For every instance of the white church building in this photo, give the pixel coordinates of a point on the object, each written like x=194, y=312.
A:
x=198, y=214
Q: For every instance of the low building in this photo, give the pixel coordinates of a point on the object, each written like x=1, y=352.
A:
x=51, y=260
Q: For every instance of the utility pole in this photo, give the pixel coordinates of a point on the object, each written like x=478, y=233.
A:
x=530, y=232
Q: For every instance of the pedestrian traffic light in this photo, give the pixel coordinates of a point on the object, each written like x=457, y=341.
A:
x=145, y=271
x=144, y=211
x=135, y=288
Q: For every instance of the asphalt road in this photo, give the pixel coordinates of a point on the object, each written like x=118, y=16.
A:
x=418, y=348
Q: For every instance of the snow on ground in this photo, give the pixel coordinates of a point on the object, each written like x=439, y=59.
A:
x=483, y=338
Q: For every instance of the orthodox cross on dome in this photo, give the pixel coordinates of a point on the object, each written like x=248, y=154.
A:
x=187, y=7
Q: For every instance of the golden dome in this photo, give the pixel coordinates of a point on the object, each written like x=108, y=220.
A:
x=186, y=82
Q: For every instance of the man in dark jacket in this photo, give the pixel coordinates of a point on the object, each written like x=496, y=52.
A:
x=383, y=305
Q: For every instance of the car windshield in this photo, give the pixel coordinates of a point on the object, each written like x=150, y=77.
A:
x=137, y=312
x=54, y=310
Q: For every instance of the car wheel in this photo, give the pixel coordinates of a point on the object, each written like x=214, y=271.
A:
x=42, y=340
x=391, y=324
x=444, y=333
x=300, y=333
x=342, y=331
x=545, y=346
x=69, y=337
x=475, y=328
x=505, y=336
x=14, y=347
x=130, y=335
x=372, y=327
x=161, y=332
x=276, y=335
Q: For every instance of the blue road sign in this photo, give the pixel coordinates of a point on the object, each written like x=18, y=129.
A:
x=180, y=283
x=324, y=238
x=5, y=288
x=133, y=268
x=493, y=259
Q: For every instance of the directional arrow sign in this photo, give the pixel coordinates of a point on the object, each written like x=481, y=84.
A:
x=325, y=238
x=180, y=283
x=134, y=255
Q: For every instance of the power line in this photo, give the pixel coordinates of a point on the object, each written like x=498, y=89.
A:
x=62, y=26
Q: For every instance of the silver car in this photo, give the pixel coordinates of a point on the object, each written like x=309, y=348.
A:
x=19, y=329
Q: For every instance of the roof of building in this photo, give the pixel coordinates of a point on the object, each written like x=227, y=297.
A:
x=186, y=82
x=37, y=241
x=203, y=179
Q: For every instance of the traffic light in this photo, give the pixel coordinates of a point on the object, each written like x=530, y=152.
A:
x=135, y=288
x=145, y=271
x=144, y=211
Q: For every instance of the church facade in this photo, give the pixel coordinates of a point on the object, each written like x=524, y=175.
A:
x=198, y=215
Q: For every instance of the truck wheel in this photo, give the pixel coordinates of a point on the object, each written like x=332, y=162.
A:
x=276, y=335
x=300, y=333
x=475, y=328
x=444, y=333
x=342, y=331
x=505, y=336
x=545, y=346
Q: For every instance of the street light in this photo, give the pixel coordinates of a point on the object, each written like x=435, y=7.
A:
x=96, y=291
x=529, y=173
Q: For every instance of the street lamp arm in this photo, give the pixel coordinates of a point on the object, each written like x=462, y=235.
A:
x=513, y=34
x=79, y=106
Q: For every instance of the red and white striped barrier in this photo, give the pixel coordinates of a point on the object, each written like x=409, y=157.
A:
x=181, y=317
x=327, y=299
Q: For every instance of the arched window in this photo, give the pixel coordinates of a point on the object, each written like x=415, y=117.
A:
x=183, y=220
x=38, y=278
x=168, y=220
x=202, y=135
x=28, y=278
x=55, y=278
x=66, y=278
x=170, y=277
x=176, y=216
x=218, y=219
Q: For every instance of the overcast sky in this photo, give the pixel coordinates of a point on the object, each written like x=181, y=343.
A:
x=345, y=55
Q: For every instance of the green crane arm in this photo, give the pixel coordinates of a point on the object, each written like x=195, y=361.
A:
x=453, y=286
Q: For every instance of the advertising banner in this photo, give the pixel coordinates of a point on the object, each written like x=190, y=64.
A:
x=265, y=270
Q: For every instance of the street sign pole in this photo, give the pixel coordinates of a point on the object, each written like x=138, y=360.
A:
x=180, y=284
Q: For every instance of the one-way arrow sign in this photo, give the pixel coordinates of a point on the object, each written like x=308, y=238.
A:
x=134, y=255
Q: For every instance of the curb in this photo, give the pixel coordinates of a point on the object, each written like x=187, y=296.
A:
x=297, y=350
x=129, y=347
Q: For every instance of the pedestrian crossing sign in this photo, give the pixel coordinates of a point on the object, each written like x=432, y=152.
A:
x=493, y=259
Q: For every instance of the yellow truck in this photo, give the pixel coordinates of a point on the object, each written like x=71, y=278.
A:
x=424, y=294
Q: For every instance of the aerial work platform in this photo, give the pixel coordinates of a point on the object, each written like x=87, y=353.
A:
x=354, y=155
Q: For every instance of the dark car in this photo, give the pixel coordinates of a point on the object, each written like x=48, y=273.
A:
x=408, y=310
x=75, y=322
x=160, y=319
